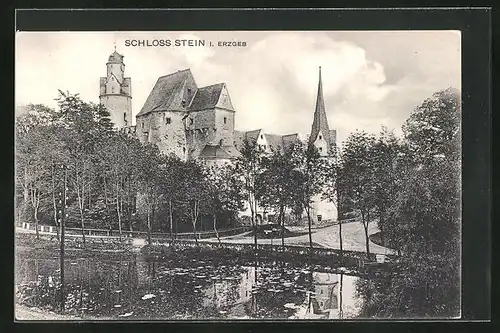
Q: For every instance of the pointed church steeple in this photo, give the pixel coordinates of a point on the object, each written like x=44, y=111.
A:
x=320, y=129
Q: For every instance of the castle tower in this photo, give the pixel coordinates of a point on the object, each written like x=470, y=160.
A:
x=324, y=140
x=116, y=91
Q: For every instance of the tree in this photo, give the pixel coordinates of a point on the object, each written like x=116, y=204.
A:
x=85, y=125
x=171, y=185
x=308, y=177
x=358, y=157
x=273, y=187
x=33, y=143
x=224, y=192
x=386, y=160
x=248, y=166
x=335, y=186
x=423, y=219
x=148, y=163
x=195, y=190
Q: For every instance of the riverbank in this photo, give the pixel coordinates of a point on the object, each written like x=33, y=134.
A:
x=22, y=313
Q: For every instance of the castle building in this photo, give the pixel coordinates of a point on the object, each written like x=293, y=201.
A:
x=194, y=122
x=116, y=91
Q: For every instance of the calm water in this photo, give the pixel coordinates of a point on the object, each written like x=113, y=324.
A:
x=132, y=287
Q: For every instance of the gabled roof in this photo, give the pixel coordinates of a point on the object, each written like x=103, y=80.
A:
x=232, y=151
x=207, y=97
x=214, y=151
x=252, y=136
x=165, y=91
x=274, y=141
x=289, y=140
x=320, y=122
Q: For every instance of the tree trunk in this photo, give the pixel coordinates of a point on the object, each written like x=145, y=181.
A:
x=80, y=191
x=215, y=227
x=54, y=202
x=26, y=194
x=36, y=202
x=309, y=225
x=149, y=225
x=282, y=221
x=341, y=246
x=381, y=226
x=364, y=218
x=61, y=243
x=118, y=212
x=254, y=224
x=341, y=312
x=194, y=219
x=170, y=217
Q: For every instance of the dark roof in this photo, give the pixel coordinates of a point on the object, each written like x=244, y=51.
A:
x=274, y=141
x=320, y=122
x=289, y=140
x=206, y=97
x=164, y=92
x=252, y=136
x=214, y=151
x=115, y=57
x=232, y=151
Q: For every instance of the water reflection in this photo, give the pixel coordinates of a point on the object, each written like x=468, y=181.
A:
x=132, y=287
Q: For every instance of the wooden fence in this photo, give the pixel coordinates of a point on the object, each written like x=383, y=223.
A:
x=135, y=234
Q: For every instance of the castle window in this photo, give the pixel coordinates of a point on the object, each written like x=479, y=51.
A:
x=142, y=125
x=184, y=149
x=168, y=120
x=320, y=136
x=124, y=116
x=183, y=103
x=320, y=148
x=225, y=120
x=191, y=121
x=261, y=136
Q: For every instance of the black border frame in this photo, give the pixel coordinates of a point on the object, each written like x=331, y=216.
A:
x=475, y=25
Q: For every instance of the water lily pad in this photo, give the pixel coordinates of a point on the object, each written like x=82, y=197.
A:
x=118, y=306
x=148, y=296
x=118, y=291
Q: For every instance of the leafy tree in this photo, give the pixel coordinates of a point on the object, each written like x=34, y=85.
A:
x=149, y=175
x=335, y=186
x=358, y=160
x=273, y=187
x=195, y=191
x=224, y=192
x=423, y=219
x=248, y=166
x=308, y=177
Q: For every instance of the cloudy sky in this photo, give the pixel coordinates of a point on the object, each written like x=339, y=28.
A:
x=370, y=78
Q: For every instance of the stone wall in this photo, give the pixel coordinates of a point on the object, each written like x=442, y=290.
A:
x=120, y=109
x=169, y=137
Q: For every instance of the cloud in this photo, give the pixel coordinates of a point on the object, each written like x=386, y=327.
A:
x=369, y=78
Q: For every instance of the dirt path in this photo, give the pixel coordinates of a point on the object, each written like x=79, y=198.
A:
x=353, y=238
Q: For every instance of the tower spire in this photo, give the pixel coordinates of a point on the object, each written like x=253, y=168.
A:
x=320, y=121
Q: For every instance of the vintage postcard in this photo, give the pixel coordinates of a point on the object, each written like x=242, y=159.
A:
x=237, y=175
